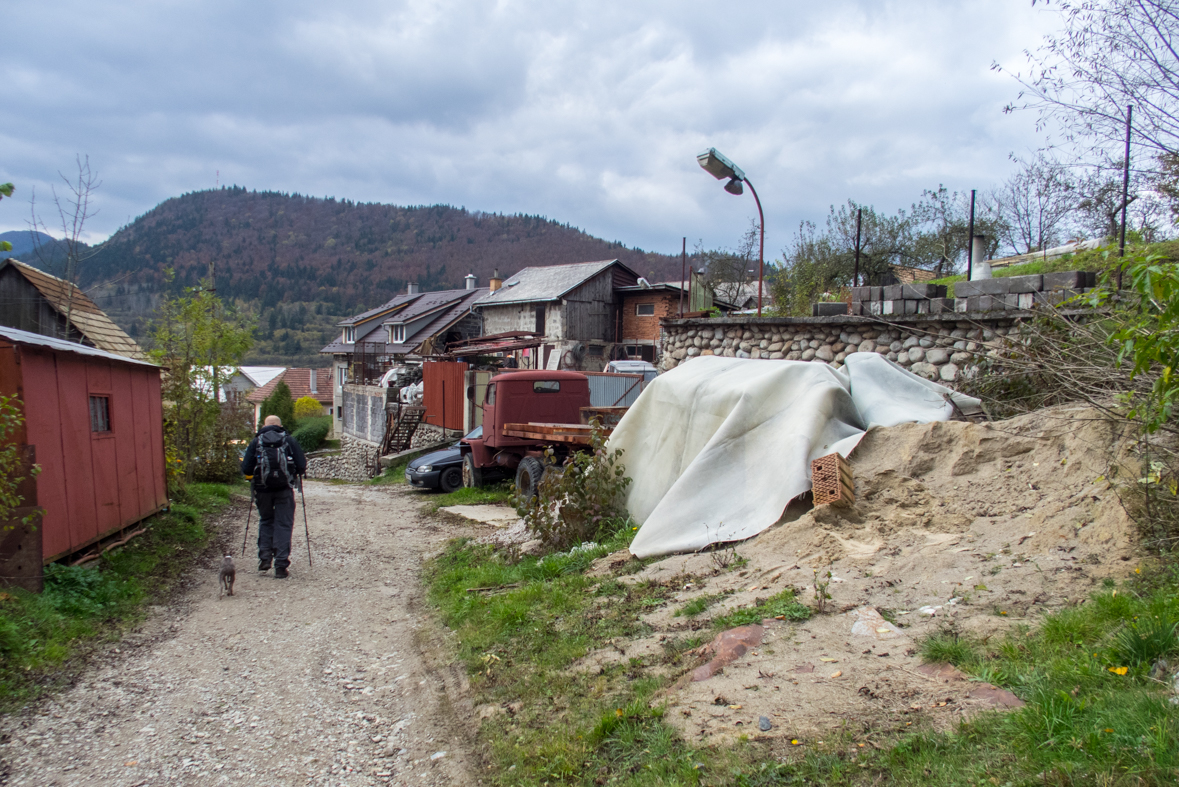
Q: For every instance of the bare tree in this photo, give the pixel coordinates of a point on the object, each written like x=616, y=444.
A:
x=1036, y=204
x=1099, y=206
x=73, y=211
x=730, y=272
x=942, y=228
x=1109, y=54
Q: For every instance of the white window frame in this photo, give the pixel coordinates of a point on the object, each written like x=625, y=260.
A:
x=350, y=334
x=397, y=333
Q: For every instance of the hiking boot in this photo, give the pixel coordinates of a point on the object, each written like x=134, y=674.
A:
x=263, y=566
x=281, y=573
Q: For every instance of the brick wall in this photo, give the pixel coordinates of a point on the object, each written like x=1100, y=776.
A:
x=646, y=329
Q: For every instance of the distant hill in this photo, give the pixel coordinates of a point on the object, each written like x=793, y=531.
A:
x=303, y=263
x=35, y=248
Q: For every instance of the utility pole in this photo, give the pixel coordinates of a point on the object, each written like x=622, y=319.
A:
x=1125, y=193
x=970, y=239
x=856, y=274
x=683, y=273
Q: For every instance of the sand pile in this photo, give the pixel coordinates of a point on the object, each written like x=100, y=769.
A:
x=979, y=526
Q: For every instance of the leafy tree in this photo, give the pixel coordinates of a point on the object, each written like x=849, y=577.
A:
x=281, y=404
x=941, y=238
x=195, y=337
x=6, y=190
x=12, y=463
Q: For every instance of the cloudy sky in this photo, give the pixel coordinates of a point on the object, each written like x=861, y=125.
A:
x=589, y=113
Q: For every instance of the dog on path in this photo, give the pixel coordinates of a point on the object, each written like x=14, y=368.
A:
x=228, y=574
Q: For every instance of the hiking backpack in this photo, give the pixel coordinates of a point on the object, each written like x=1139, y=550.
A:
x=274, y=470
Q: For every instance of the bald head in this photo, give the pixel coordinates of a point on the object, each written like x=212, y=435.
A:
x=272, y=420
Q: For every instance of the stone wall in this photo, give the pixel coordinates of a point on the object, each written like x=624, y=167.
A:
x=349, y=464
x=937, y=347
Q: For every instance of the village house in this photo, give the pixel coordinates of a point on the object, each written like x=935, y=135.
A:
x=316, y=383
x=405, y=329
x=32, y=300
x=577, y=308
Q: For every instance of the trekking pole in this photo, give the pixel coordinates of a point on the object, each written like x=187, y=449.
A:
x=246, y=534
x=306, y=530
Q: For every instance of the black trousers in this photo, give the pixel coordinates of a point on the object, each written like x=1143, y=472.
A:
x=276, y=521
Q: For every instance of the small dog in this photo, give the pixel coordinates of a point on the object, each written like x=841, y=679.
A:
x=228, y=574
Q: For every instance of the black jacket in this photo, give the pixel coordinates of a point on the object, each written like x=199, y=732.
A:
x=294, y=452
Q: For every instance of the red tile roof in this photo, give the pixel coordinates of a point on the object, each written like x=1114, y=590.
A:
x=299, y=381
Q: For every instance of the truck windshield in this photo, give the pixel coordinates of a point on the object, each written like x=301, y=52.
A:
x=546, y=386
x=491, y=394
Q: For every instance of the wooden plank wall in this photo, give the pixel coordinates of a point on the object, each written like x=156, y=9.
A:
x=92, y=484
x=444, y=393
x=589, y=310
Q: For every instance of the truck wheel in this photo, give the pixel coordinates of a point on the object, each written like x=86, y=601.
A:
x=451, y=479
x=472, y=476
x=528, y=475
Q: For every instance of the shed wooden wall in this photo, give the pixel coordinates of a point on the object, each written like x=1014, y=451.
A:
x=589, y=310
x=91, y=484
x=23, y=307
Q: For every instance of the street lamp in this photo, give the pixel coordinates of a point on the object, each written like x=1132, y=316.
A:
x=720, y=168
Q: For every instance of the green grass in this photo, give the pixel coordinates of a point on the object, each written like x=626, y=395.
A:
x=83, y=605
x=698, y=605
x=490, y=494
x=1083, y=723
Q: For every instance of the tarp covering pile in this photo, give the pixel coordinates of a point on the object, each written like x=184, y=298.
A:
x=717, y=447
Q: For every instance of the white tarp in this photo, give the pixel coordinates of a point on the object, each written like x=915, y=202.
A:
x=717, y=447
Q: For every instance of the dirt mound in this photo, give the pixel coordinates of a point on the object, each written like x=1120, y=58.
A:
x=977, y=526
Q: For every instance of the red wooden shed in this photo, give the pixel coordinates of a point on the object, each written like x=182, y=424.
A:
x=94, y=421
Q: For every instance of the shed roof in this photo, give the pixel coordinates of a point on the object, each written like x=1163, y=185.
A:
x=91, y=321
x=546, y=283
x=60, y=345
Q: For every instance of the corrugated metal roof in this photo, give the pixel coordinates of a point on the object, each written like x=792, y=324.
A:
x=26, y=337
x=85, y=315
x=545, y=283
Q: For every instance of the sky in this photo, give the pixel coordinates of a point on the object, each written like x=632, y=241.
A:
x=588, y=113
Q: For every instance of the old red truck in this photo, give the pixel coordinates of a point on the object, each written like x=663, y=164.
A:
x=524, y=414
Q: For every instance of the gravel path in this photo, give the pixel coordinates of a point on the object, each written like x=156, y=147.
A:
x=332, y=677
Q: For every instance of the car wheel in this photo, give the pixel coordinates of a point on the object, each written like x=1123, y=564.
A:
x=472, y=476
x=451, y=479
x=528, y=475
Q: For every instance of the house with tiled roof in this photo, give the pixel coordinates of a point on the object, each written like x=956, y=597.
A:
x=404, y=329
x=32, y=300
x=316, y=383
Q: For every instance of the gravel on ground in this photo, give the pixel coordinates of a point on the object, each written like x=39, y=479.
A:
x=335, y=676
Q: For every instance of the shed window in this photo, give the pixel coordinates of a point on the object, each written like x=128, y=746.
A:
x=546, y=386
x=645, y=309
x=100, y=414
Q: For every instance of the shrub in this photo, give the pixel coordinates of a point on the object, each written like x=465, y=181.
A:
x=575, y=504
x=312, y=432
x=307, y=407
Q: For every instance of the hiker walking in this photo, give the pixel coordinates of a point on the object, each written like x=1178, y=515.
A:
x=273, y=461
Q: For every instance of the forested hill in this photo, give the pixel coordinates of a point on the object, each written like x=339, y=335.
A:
x=301, y=263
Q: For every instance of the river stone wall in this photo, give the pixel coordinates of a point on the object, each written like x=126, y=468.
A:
x=349, y=464
x=939, y=347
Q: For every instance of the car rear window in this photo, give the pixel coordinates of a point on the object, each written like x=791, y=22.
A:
x=546, y=386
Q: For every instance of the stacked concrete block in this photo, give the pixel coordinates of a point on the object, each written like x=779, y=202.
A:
x=899, y=299
x=1021, y=293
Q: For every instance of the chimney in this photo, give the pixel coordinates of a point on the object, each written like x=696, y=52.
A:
x=412, y=289
x=981, y=269
x=314, y=381
x=470, y=281
x=496, y=282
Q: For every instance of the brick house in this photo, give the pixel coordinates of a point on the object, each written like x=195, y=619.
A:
x=643, y=306
x=316, y=383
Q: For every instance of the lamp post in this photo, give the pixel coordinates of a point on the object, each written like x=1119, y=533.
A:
x=720, y=168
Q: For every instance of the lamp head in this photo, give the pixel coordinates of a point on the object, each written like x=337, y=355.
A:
x=715, y=164
x=734, y=187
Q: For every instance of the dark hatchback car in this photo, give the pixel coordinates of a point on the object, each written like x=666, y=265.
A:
x=442, y=469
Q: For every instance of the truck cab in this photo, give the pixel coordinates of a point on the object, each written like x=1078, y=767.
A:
x=549, y=397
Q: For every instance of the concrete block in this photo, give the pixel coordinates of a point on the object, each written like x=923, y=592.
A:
x=875, y=307
x=923, y=306
x=893, y=292
x=960, y=305
x=922, y=290
x=1065, y=280
x=892, y=306
x=829, y=309
x=1030, y=283
x=866, y=293
x=1025, y=300
x=941, y=305
x=910, y=306
x=1002, y=286
x=982, y=303
x=1090, y=279
x=1008, y=301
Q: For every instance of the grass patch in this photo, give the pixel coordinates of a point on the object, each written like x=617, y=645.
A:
x=781, y=605
x=490, y=494
x=84, y=605
x=698, y=605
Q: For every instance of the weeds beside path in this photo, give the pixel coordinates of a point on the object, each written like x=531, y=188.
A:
x=1095, y=714
x=45, y=637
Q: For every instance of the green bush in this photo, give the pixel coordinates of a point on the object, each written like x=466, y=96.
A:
x=312, y=432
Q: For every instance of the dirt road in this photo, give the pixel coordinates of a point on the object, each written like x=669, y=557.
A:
x=328, y=677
